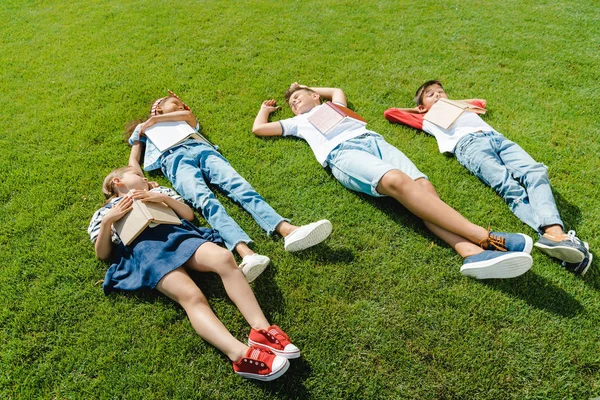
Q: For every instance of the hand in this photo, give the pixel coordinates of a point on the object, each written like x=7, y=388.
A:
x=146, y=196
x=269, y=106
x=119, y=210
x=149, y=122
x=152, y=185
x=296, y=85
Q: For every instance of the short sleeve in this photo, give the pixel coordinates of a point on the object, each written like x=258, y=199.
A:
x=289, y=127
x=169, y=192
x=136, y=136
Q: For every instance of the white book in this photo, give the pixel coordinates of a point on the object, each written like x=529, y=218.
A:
x=445, y=112
x=165, y=135
x=329, y=115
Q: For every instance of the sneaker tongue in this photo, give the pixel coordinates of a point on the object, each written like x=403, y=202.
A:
x=254, y=354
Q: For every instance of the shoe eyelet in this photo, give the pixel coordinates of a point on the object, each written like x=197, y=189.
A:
x=262, y=364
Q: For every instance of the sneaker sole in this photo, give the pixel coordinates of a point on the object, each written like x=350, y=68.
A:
x=564, y=253
x=319, y=233
x=288, y=355
x=254, y=272
x=528, y=244
x=507, y=266
x=582, y=273
x=270, y=377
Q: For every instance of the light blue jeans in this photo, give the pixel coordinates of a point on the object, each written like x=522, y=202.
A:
x=191, y=167
x=360, y=163
x=508, y=169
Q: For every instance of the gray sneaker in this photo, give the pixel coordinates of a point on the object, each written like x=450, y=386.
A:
x=582, y=267
x=570, y=250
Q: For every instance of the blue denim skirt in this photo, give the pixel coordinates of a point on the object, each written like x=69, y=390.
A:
x=153, y=254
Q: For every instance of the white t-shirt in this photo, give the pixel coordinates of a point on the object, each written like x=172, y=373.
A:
x=468, y=122
x=320, y=144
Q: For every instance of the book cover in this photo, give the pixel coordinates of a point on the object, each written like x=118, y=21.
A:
x=141, y=216
x=165, y=135
x=329, y=115
x=445, y=112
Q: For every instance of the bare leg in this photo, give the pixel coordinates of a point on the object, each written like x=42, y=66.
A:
x=462, y=246
x=555, y=233
x=285, y=228
x=181, y=288
x=211, y=258
x=428, y=207
x=243, y=250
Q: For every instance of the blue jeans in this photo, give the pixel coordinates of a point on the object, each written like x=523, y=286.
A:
x=190, y=168
x=508, y=169
x=360, y=163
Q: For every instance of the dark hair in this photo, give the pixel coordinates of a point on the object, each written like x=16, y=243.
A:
x=292, y=90
x=422, y=88
x=131, y=125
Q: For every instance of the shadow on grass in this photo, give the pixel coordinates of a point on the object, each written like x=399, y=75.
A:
x=570, y=214
x=538, y=292
x=290, y=385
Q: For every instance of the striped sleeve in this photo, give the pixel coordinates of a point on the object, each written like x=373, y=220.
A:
x=94, y=227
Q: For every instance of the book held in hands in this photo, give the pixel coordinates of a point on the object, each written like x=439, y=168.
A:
x=445, y=112
x=141, y=216
x=330, y=115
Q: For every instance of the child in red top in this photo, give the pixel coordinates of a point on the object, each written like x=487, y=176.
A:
x=503, y=165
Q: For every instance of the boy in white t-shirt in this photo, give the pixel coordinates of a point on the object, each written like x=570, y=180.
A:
x=364, y=162
x=503, y=165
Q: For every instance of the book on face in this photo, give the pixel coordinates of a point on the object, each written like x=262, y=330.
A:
x=141, y=216
x=165, y=135
x=445, y=112
x=330, y=115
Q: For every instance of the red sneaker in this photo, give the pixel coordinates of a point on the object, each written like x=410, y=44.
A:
x=275, y=340
x=261, y=364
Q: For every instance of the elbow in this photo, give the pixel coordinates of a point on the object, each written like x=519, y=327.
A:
x=388, y=114
x=256, y=131
x=102, y=257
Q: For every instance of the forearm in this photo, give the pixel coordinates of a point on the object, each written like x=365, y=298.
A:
x=135, y=156
x=261, y=118
x=103, y=244
x=186, y=116
x=181, y=209
x=334, y=94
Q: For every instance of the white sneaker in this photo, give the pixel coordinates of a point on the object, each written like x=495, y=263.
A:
x=253, y=265
x=307, y=235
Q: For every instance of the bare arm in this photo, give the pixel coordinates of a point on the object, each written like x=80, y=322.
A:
x=262, y=126
x=136, y=155
x=103, y=244
x=181, y=209
x=334, y=94
x=186, y=116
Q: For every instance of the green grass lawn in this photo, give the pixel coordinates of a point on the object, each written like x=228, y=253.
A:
x=380, y=310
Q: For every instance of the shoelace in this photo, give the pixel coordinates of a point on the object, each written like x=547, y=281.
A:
x=496, y=242
x=572, y=237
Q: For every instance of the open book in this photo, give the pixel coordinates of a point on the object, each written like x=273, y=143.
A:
x=141, y=216
x=329, y=115
x=165, y=135
x=445, y=112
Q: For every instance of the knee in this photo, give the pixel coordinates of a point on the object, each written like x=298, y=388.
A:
x=190, y=297
x=426, y=185
x=223, y=261
x=537, y=172
x=394, y=183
